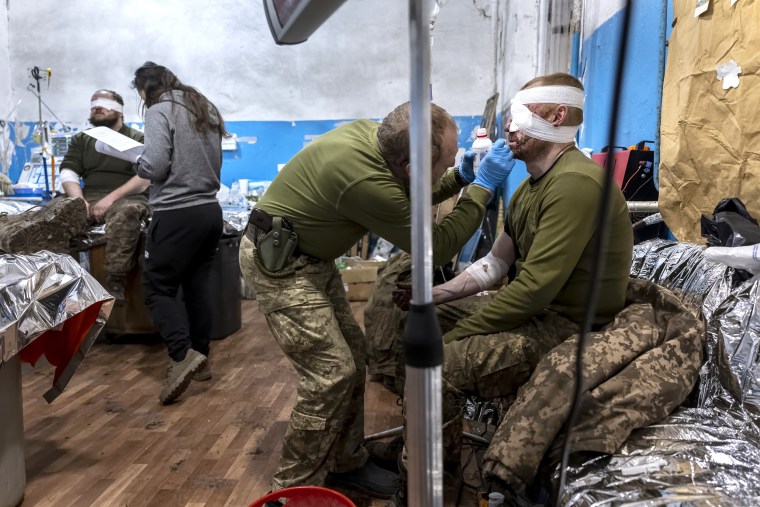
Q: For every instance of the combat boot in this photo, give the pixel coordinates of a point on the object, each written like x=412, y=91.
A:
x=49, y=227
x=204, y=372
x=386, y=454
x=179, y=374
x=452, y=485
x=369, y=480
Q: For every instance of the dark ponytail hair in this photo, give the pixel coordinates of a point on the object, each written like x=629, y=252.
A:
x=154, y=80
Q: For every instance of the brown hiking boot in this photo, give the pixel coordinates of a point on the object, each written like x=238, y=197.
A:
x=179, y=374
x=204, y=372
x=49, y=227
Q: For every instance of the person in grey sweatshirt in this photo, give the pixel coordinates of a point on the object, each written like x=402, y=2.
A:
x=182, y=159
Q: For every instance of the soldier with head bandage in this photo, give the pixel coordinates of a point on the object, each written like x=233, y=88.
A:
x=494, y=342
x=525, y=120
x=113, y=194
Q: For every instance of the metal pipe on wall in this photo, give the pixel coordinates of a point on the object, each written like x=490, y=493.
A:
x=543, y=36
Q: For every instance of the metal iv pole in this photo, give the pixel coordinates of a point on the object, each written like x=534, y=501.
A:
x=423, y=342
x=42, y=127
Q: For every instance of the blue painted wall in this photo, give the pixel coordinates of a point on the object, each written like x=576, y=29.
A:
x=639, y=108
x=262, y=145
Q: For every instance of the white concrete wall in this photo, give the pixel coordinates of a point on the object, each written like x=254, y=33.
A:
x=518, y=48
x=355, y=65
x=6, y=145
x=5, y=62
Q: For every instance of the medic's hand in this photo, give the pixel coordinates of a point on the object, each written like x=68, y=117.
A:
x=402, y=296
x=495, y=166
x=466, y=169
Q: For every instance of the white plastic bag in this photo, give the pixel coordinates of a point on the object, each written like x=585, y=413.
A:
x=741, y=257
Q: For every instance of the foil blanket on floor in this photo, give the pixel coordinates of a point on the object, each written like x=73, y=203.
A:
x=707, y=453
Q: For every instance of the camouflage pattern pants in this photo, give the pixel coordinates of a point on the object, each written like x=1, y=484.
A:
x=637, y=370
x=123, y=221
x=383, y=321
x=492, y=366
x=310, y=318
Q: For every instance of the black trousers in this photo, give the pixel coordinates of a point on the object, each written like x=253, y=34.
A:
x=179, y=252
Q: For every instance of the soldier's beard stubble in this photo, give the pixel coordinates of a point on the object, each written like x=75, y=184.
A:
x=104, y=122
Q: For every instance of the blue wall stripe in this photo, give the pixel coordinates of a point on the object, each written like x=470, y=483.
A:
x=262, y=145
x=638, y=114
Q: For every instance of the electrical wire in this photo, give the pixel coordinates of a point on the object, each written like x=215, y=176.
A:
x=600, y=248
x=643, y=183
x=631, y=178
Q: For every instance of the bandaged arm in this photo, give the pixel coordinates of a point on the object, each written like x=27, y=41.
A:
x=481, y=274
x=71, y=183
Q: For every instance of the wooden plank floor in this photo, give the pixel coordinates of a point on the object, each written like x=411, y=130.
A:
x=106, y=441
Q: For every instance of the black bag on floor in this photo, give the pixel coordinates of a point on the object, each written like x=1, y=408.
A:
x=730, y=225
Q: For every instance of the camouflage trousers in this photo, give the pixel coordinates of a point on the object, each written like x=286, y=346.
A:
x=123, y=222
x=487, y=367
x=637, y=370
x=383, y=320
x=311, y=320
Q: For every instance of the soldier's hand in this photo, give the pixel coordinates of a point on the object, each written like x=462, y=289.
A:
x=98, y=212
x=402, y=296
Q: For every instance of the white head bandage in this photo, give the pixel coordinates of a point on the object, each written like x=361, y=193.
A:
x=525, y=121
x=106, y=104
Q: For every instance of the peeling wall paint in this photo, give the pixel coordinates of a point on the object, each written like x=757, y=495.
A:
x=355, y=65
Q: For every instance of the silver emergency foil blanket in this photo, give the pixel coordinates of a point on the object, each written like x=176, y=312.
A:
x=681, y=267
x=39, y=293
x=708, y=455
x=235, y=219
x=696, y=457
x=733, y=335
x=12, y=207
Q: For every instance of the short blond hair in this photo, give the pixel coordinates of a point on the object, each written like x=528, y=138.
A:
x=393, y=133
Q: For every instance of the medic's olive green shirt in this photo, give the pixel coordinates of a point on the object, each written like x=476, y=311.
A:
x=552, y=222
x=101, y=173
x=339, y=187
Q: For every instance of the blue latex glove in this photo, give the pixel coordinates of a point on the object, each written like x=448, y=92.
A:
x=495, y=166
x=466, y=169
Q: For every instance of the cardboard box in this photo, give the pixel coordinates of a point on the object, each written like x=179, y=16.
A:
x=359, y=279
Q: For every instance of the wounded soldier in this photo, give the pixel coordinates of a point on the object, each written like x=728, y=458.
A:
x=644, y=350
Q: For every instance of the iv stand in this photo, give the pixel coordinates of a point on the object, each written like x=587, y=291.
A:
x=42, y=127
x=423, y=342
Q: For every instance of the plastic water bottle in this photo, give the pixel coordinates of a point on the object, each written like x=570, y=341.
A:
x=234, y=197
x=480, y=146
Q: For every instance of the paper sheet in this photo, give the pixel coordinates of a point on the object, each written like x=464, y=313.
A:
x=112, y=138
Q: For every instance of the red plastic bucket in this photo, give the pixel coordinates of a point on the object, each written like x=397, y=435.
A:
x=305, y=496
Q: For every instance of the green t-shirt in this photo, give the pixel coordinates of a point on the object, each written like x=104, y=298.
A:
x=101, y=173
x=339, y=187
x=552, y=222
